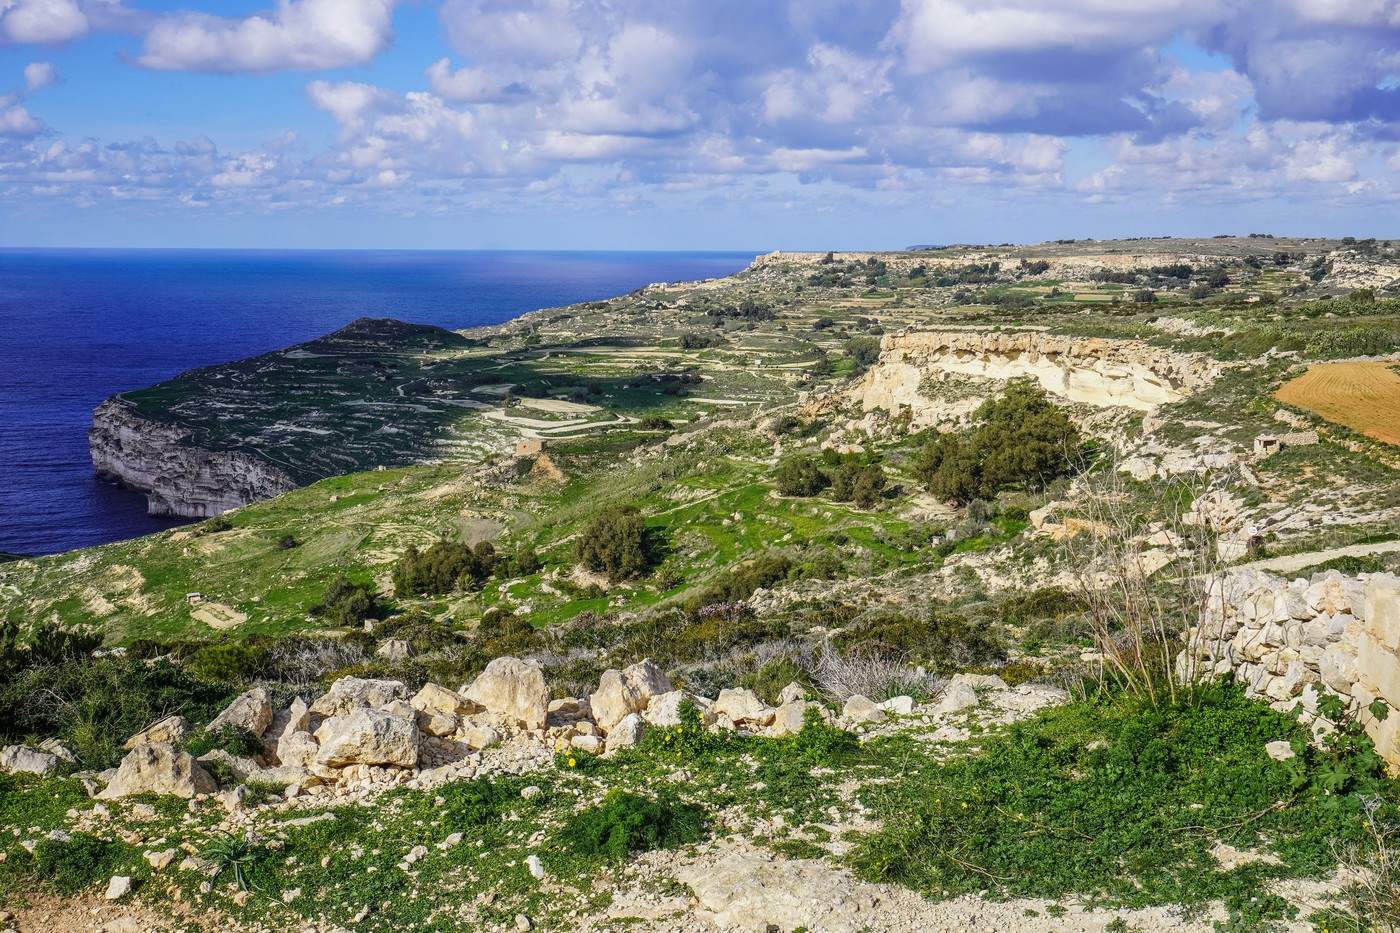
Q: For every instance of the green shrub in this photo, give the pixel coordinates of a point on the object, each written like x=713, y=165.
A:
x=801, y=475
x=235, y=740
x=861, y=483
x=863, y=350
x=1022, y=440
x=95, y=705
x=770, y=679
x=624, y=823
x=230, y=662
x=941, y=641
x=70, y=866
x=348, y=604
x=444, y=567
x=1121, y=800
x=617, y=544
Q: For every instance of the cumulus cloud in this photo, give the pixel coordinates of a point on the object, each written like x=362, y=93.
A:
x=39, y=75
x=42, y=21
x=615, y=101
x=297, y=34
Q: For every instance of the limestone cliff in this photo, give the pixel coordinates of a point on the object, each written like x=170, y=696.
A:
x=1089, y=370
x=178, y=478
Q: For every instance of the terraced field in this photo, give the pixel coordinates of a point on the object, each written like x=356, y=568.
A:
x=1364, y=396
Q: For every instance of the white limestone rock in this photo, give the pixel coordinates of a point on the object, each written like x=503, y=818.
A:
x=367, y=737
x=513, y=689
x=158, y=768
x=627, y=691
x=351, y=693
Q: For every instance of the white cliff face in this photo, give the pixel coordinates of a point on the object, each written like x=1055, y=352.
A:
x=1093, y=371
x=178, y=479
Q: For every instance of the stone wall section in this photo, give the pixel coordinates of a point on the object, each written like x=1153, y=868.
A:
x=1293, y=641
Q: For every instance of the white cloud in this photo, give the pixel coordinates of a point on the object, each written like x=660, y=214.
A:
x=39, y=75
x=297, y=34
x=15, y=120
x=42, y=21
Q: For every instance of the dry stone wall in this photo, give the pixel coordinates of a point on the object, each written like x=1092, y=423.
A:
x=1292, y=641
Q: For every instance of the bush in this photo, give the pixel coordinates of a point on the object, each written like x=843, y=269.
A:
x=697, y=341
x=235, y=740
x=625, y=823
x=861, y=483
x=941, y=641
x=229, y=662
x=617, y=544
x=1022, y=440
x=1122, y=801
x=443, y=568
x=95, y=705
x=348, y=604
x=863, y=350
x=801, y=475
x=79, y=862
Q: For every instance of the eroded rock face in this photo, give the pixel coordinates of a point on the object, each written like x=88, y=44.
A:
x=178, y=478
x=158, y=768
x=513, y=689
x=1094, y=371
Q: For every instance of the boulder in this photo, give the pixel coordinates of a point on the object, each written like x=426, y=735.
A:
x=627, y=691
x=297, y=749
x=118, y=887
x=21, y=759
x=742, y=705
x=394, y=649
x=435, y=699
x=58, y=750
x=158, y=768
x=665, y=709
x=295, y=718
x=862, y=709
x=172, y=730
x=1281, y=750
x=790, y=718
x=626, y=733
x=352, y=693
x=792, y=693
x=513, y=689
x=250, y=711
x=367, y=737
x=900, y=705
x=957, y=696
x=479, y=736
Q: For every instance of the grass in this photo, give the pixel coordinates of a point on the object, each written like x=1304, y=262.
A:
x=1120, y=802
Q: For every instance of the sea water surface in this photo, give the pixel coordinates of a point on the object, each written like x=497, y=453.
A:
x=79, y=325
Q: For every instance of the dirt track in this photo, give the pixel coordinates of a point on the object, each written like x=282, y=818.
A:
x=1364, y=396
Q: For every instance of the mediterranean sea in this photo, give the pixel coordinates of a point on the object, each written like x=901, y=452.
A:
x=78, y=325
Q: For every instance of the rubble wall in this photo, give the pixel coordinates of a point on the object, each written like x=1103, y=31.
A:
x=1291, y=641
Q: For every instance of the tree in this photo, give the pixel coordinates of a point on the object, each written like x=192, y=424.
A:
x=1023, y=439
x=615, y=543
x=801, y=475
x=864, y=350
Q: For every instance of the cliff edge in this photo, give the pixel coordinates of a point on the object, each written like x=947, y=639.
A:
x=178, y=479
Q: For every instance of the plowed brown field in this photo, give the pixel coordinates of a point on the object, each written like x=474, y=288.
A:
x=1364, y=396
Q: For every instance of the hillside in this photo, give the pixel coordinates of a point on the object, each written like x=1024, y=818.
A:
x=965, y=513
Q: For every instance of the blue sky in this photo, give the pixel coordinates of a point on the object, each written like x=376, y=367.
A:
x=692, y=124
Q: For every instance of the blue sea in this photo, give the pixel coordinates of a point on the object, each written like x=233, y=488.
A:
x=79, y=325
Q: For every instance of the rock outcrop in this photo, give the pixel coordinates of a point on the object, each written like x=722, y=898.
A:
x=1088, y=370
x=178, y=477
